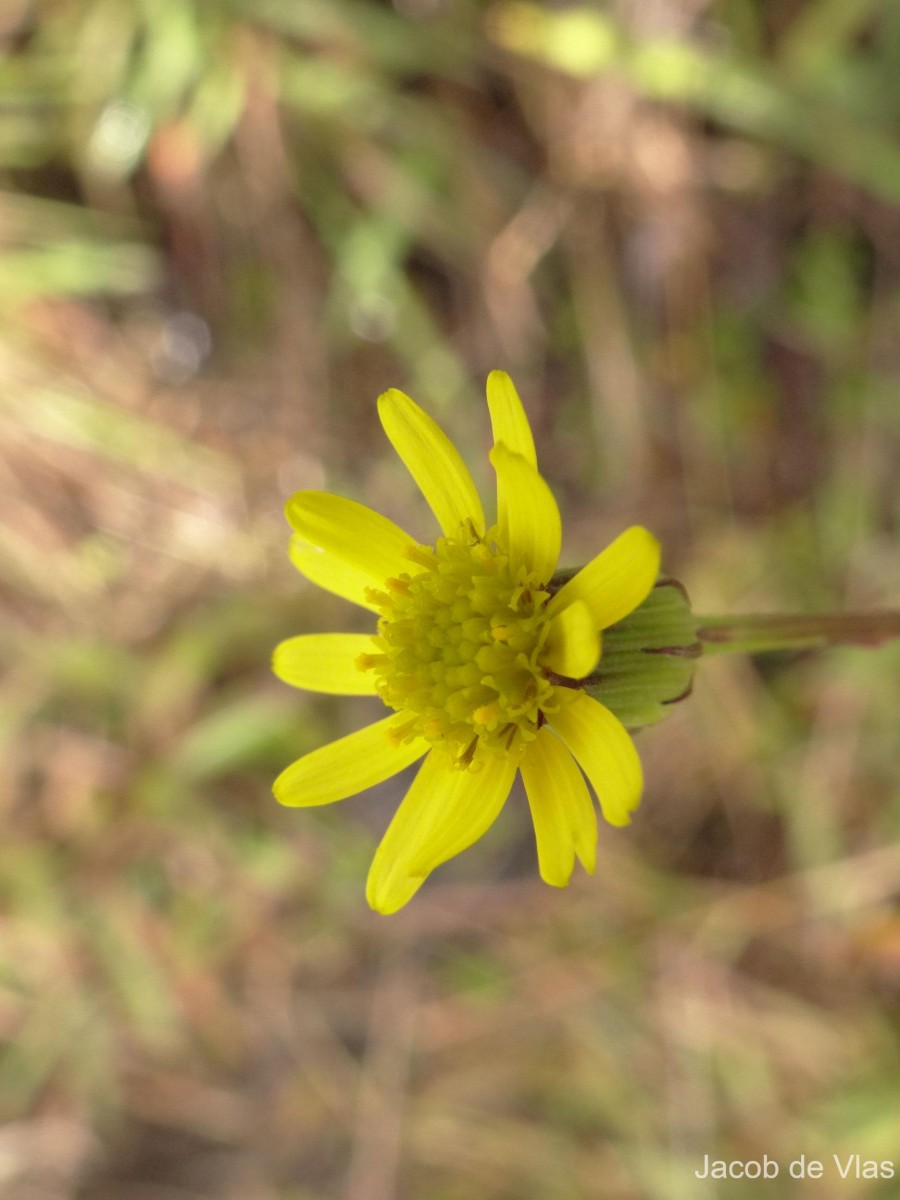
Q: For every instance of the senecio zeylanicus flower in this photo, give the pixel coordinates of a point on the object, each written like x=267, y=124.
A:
x=479, y=654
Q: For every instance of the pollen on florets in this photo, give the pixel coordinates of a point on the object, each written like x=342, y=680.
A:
x=459, y=645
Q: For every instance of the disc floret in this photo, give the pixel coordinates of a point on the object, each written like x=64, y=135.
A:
x=459, y=647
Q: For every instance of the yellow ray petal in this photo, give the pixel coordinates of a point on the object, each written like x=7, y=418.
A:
x=565, y=821
x=347, y=766
x=573, y=643
x=444, y=811
x=325, y=571
x=343, y=546
x=390, y=884
x=508, y=420
x=325, y=662
x=433, y=461
x=605, y=753
x=615, y=582
x=528, y=515
x=470, y=802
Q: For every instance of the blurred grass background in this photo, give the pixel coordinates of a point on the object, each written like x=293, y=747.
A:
x=225, y=227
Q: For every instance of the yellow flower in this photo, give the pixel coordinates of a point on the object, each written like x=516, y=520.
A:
x=478, y=652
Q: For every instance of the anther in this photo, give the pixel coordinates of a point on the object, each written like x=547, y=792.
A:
x=365, y=662
x=377, y=597
x=465, y=759
x=399, y=732
x=422, y=555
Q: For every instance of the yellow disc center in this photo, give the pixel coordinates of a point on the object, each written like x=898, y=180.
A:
x=458, y=647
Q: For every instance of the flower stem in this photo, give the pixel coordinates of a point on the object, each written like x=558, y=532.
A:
x=761, y=634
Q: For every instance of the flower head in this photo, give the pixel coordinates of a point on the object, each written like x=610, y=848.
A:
x=478, y=651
